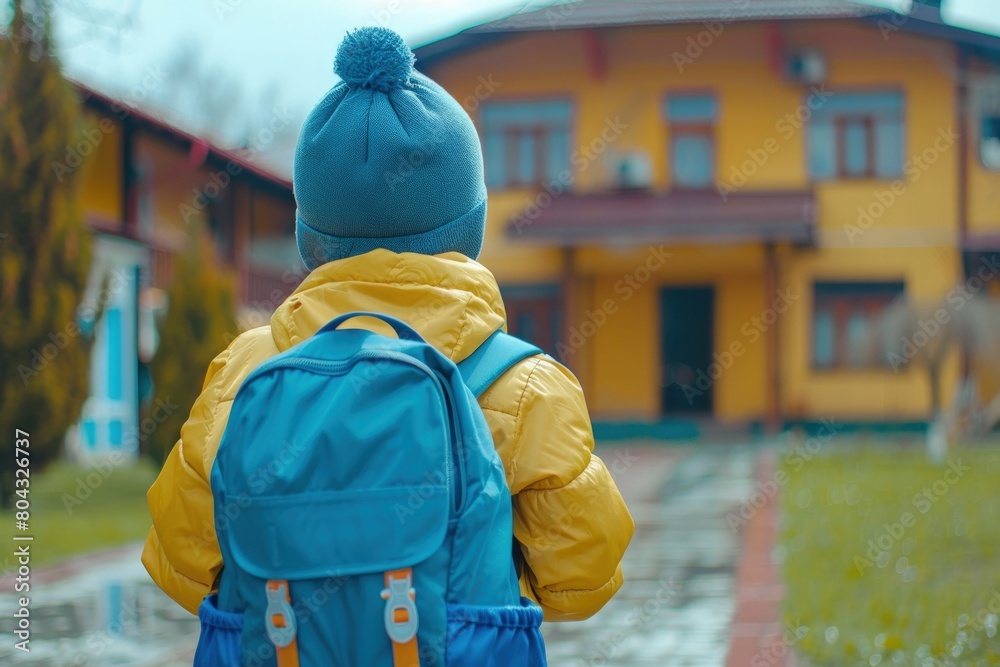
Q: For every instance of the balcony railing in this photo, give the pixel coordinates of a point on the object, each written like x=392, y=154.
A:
x=161, y=267
x=266, y=289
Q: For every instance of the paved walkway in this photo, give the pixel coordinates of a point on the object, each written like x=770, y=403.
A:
x=677, y=603
x=676, y=608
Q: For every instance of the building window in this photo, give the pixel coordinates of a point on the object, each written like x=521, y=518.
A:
x=220, y=226
x=534, y=314
x=526, y=143
x=989, y=143
x=845, y=323
x=692, y=121
x=986, y=102
x=857, y=135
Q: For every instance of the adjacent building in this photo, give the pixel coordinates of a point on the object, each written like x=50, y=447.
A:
x=144, y=184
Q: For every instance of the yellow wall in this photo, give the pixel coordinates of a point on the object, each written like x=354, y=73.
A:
x=928, y=273
x=623, y=357
x=911, y=236
x=101, y=183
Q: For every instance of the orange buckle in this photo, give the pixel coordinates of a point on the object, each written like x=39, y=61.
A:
x=279, y=621
x=401, y=618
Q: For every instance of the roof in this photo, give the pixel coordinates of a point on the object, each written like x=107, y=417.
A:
x=157, y=126
x=608, y=13
x=925, y=19
x=646, y=217
x=585, y=14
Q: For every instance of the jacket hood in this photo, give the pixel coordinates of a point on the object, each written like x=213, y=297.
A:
x=452, y=301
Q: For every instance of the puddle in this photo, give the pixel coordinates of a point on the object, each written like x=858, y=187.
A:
x=111, y=616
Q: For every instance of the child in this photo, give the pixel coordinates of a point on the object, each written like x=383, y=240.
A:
x=391, y=201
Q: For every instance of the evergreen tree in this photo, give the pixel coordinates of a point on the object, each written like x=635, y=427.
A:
x=200, y=319
x=44, y=248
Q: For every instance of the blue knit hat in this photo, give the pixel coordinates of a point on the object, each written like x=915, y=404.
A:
x=388, y=159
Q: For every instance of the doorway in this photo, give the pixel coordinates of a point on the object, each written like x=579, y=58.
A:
x=686, y=326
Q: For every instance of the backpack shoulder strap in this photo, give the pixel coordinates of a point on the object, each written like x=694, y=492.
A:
x=498, y=353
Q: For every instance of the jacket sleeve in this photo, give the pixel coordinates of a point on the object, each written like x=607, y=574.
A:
x=181, y=552
x=569, y=517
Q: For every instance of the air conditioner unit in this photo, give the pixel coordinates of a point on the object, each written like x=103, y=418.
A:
x=806, y=67
x=634, y=170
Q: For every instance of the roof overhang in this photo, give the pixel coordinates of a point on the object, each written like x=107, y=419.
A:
x=703, y=216
x=615, y=13
x=157, y=127
x=597, y=14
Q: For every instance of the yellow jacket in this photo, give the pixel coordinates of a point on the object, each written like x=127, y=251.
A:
x=569, y=518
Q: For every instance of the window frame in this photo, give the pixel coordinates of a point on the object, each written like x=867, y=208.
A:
x=840, y=120
x=512, y=154
x=840, y=124
x=985, y=105
x=687, y=128
x=985, y=115
x=871, y=297
x=539, y=130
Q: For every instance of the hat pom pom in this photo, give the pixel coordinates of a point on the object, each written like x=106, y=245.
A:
x=375, y=58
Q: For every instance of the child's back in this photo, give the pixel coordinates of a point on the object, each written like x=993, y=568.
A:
x=401, y=246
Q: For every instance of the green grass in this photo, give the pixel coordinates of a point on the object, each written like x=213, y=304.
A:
x=924, y=600
x=66, y=522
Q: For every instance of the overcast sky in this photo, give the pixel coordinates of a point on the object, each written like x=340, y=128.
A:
x=281, y=48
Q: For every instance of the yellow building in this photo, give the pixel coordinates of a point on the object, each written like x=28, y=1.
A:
x=704, y=215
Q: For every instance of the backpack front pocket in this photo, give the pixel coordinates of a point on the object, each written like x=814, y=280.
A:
x=219, y=642
x=481, y=636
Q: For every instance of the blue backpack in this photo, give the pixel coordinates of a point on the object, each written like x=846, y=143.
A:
x=363, y=513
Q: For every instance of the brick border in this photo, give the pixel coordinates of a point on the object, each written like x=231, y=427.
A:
x=756, y=637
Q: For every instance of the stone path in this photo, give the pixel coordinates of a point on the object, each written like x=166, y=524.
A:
x=676, y=608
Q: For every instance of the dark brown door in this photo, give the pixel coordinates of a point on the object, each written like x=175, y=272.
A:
x=686, y=319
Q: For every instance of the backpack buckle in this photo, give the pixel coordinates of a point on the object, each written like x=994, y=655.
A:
x=279, y=617
x=400, y=608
